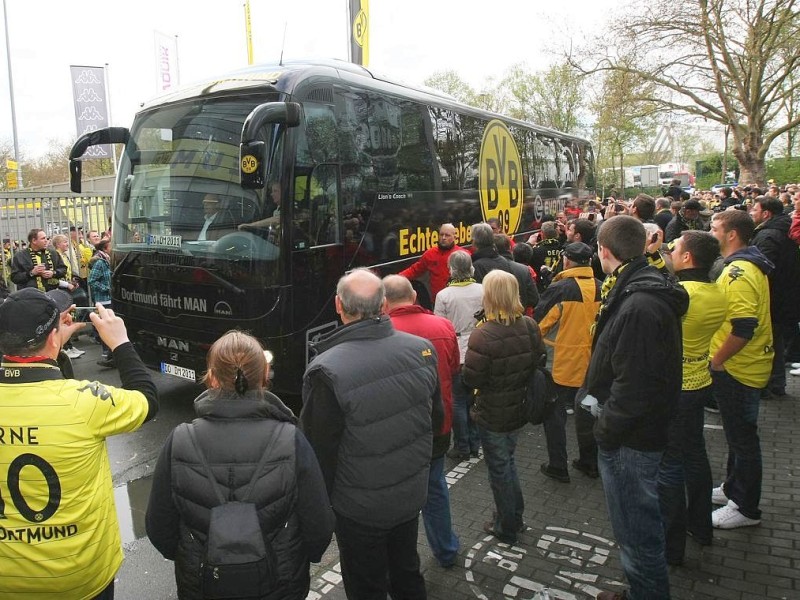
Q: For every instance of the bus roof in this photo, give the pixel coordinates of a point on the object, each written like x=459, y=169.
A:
x=286, y=76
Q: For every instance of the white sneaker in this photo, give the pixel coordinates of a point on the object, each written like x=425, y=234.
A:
x=795, y=371
x=729, y=517
x=74, y=353
x=718, y=497
x=570, y=411
x=795, y=365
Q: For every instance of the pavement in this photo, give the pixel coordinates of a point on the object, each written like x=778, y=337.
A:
x=569, y=546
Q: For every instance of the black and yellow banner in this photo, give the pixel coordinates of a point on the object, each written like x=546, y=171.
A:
x=359, y=32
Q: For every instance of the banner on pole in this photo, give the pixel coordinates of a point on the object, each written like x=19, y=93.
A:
x=359, y=32
x=91, y=105
x=167, y=74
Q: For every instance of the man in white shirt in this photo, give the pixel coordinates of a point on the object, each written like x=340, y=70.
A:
x=214, y=226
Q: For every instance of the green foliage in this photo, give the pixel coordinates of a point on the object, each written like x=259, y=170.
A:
x=451, y=83
x=784, y=170
x=553, y=98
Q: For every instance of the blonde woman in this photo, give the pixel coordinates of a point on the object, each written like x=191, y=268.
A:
x=501, y=354
x=238, y=422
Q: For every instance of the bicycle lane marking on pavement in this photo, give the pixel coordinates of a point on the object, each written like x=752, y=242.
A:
x=578, y=550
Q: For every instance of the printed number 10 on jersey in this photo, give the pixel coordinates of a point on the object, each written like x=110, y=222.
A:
x=500, y=177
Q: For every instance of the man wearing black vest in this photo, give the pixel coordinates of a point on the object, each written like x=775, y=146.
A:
x=371, y=402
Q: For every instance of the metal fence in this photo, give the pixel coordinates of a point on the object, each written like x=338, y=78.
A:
x=51, y=211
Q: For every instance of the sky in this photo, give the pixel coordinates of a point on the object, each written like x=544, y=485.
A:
x=410, y=40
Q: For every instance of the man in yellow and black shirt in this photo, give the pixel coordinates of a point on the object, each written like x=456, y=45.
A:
x=741, y=363
x=684, y=479
x=59, y=536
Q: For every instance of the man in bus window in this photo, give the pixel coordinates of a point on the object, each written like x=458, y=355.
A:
x=272, y=211
x=217, y=221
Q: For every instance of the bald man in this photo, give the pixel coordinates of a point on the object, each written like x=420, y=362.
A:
x=416, y=320
x=371, y=402
x=434, y=261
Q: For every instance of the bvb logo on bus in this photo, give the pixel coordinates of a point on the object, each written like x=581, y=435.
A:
x=500, y=177
x=249, y=164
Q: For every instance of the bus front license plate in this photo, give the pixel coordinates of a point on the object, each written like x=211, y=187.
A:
x=177, y=371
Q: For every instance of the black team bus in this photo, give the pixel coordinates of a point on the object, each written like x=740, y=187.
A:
x=240, y=201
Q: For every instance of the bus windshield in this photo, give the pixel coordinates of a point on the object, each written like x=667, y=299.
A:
x=178, y=186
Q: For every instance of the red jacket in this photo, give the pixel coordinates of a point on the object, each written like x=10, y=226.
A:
x=419, y=321
x=794, y=230
x=433, y=261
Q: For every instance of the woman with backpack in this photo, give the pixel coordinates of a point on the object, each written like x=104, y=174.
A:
x=240, y=467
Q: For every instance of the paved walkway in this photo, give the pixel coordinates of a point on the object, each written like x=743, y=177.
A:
x=569, y=546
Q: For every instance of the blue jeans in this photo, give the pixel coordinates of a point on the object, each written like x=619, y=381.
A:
x=738, y=406
x=465, y=432
x=498, y=452
x=684, y=480
x=629, y=481
x=436, y=516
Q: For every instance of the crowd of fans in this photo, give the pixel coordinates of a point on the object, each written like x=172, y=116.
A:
x=646, y=312
x=78, y=264
x=733, y=265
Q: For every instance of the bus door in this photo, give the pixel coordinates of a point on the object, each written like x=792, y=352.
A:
x=317, y=253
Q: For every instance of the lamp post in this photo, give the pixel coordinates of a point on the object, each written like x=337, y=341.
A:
x=11, y=92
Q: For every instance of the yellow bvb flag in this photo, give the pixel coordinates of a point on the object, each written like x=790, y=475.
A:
x=359, y=31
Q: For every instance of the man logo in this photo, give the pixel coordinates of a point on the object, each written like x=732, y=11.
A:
x=500, y=177
x=223, y=309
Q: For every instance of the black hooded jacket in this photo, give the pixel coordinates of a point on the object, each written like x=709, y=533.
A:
x=636, y=369
x=772, y=238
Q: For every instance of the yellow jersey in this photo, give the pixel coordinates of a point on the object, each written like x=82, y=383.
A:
x=59, y=536
x=707, y=308
x=747, y=289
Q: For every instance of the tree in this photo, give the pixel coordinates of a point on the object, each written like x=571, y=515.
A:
x=451, y=83
x=553, y=98
x=622, y=119
x=729, y=61
x=53, y=166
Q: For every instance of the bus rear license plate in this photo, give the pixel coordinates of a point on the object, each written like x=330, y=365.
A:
x=177, y=371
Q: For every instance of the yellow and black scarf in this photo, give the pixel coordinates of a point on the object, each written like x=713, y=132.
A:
x=44, y=257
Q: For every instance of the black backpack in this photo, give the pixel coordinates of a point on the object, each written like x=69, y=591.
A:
x=237, y=561
x=540, y=393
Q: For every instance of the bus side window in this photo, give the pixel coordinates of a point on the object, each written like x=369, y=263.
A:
x=324, y=215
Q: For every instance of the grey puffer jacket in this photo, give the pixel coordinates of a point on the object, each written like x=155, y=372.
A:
x=292, y=505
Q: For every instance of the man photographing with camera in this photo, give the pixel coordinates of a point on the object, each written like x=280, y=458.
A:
x=60, y=514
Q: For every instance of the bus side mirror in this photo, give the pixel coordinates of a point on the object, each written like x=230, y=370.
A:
x=107, y=135
x=252, y=151
x=252, y=158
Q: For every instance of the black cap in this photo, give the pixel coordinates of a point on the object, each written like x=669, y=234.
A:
x=29, y=315
x=692, y=205
x=578, y=252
